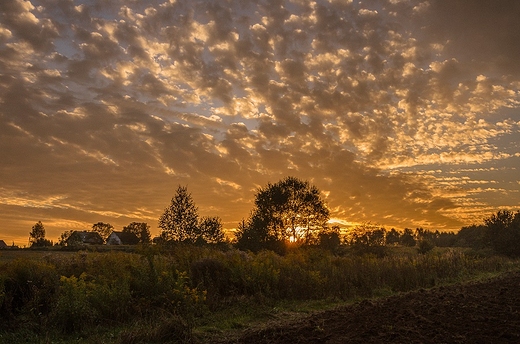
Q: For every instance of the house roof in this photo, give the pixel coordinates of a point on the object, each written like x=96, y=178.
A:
x=126, y=237
x=2, y=244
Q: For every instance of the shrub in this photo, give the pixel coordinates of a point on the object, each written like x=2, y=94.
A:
x=73, y=312
x=503, y=232
x=212, y=275
x=424, y=246
x=27, y=287
x=329, y=240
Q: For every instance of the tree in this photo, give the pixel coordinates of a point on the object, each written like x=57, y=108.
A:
x=290, y=210
x=368, y=238
x=407, y=238
x=210, y=228
x=64, y=237
x=393, y=237
x=368, y=234
x=253, y=237
x=445, y=239
x=140, y=229
x=472, y=236
x=179, y=222
x=37, y=236
x=330, y=239
x=503, y=232
x=103, y=229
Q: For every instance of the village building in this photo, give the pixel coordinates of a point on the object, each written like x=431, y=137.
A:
x=84, y=238
x=3, y=245
x=122, y=238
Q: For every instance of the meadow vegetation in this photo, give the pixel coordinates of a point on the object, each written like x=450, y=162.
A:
x=187, y=293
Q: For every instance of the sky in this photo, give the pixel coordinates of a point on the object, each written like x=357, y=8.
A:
x=404, y=113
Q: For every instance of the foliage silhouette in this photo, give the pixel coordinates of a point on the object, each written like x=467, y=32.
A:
x=37, y=236
x=290, y=210
x=368, y=239
x=140, y=229
x=210, y=228
x=330, y=239
x=503, y=232
x=472, y=236
x=179, y=222
x=407, y=238
x=62, y=241
x=103, y=229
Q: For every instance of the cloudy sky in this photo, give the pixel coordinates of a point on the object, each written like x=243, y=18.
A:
x=404, y=113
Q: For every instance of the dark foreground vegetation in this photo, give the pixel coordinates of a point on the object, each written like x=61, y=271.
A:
x=192, y=287
x=185, y=293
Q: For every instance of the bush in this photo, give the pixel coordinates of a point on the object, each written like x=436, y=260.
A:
x=27, y=287
x=213, y=276
x=73, y=312
x=424, y=246
x=503, y=232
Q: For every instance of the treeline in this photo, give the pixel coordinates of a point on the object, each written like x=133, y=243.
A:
x=102, y=230
x=291, y=213
x=500, y=232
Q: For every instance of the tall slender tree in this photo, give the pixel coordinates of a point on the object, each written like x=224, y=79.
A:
x=37, y=236
x=179, y=222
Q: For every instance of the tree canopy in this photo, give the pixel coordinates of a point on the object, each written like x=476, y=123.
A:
x=180, y=222
x=503, y=232
x=140, y=229
x=103, y=229
x=289, y=210
x=211, y=229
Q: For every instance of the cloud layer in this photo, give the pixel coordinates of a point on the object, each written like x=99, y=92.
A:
x=404, y=113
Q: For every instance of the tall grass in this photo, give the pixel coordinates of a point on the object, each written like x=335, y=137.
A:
x=316, y=274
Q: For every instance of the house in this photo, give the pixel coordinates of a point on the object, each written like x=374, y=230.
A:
x=122, y=238
x=84, y=238
x=3, y=245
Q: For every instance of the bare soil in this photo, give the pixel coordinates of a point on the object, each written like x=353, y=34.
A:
x=478, y=312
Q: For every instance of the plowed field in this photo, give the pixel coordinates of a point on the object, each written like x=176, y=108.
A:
x=479, y=312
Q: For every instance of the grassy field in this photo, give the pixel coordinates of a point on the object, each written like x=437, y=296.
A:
x=192, y=294
x=9, y=255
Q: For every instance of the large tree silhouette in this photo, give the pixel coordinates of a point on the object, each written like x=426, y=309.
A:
x=290, y=210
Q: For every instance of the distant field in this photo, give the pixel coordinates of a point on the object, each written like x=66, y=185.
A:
x=9, y=255
x=12, y=254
